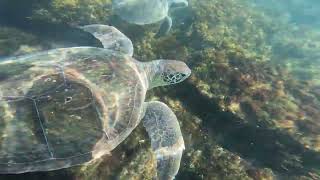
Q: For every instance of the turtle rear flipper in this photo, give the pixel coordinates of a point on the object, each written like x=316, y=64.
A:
x=178, y=4
x=111, y=38
x=166, y=138
x=167, y=23
x=165, y=27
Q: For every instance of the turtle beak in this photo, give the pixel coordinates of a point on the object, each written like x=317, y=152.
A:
x=188, y=71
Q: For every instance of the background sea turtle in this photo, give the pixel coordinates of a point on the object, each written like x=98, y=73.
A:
x=68, y=106
x=147, y=11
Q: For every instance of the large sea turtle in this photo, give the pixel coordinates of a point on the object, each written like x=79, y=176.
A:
x=68, y=106
x=147, y=12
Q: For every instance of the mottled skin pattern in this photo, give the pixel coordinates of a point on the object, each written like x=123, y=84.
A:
x=66, y=107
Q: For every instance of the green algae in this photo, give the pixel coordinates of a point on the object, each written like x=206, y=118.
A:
x=9, y=70
x=17, y=42
x=73, y=11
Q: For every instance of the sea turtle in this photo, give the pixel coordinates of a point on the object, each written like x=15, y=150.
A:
x=148, y=11
x=69, y=106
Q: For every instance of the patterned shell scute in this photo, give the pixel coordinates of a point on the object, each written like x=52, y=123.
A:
x=62, y=107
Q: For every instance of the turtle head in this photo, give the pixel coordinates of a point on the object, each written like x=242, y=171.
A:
x=166, y=72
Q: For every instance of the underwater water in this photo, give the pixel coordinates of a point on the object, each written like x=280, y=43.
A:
x=249, y=110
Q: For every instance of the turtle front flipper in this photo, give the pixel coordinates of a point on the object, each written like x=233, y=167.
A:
x=165, y=27
x=111, y=38
x=166, y=138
